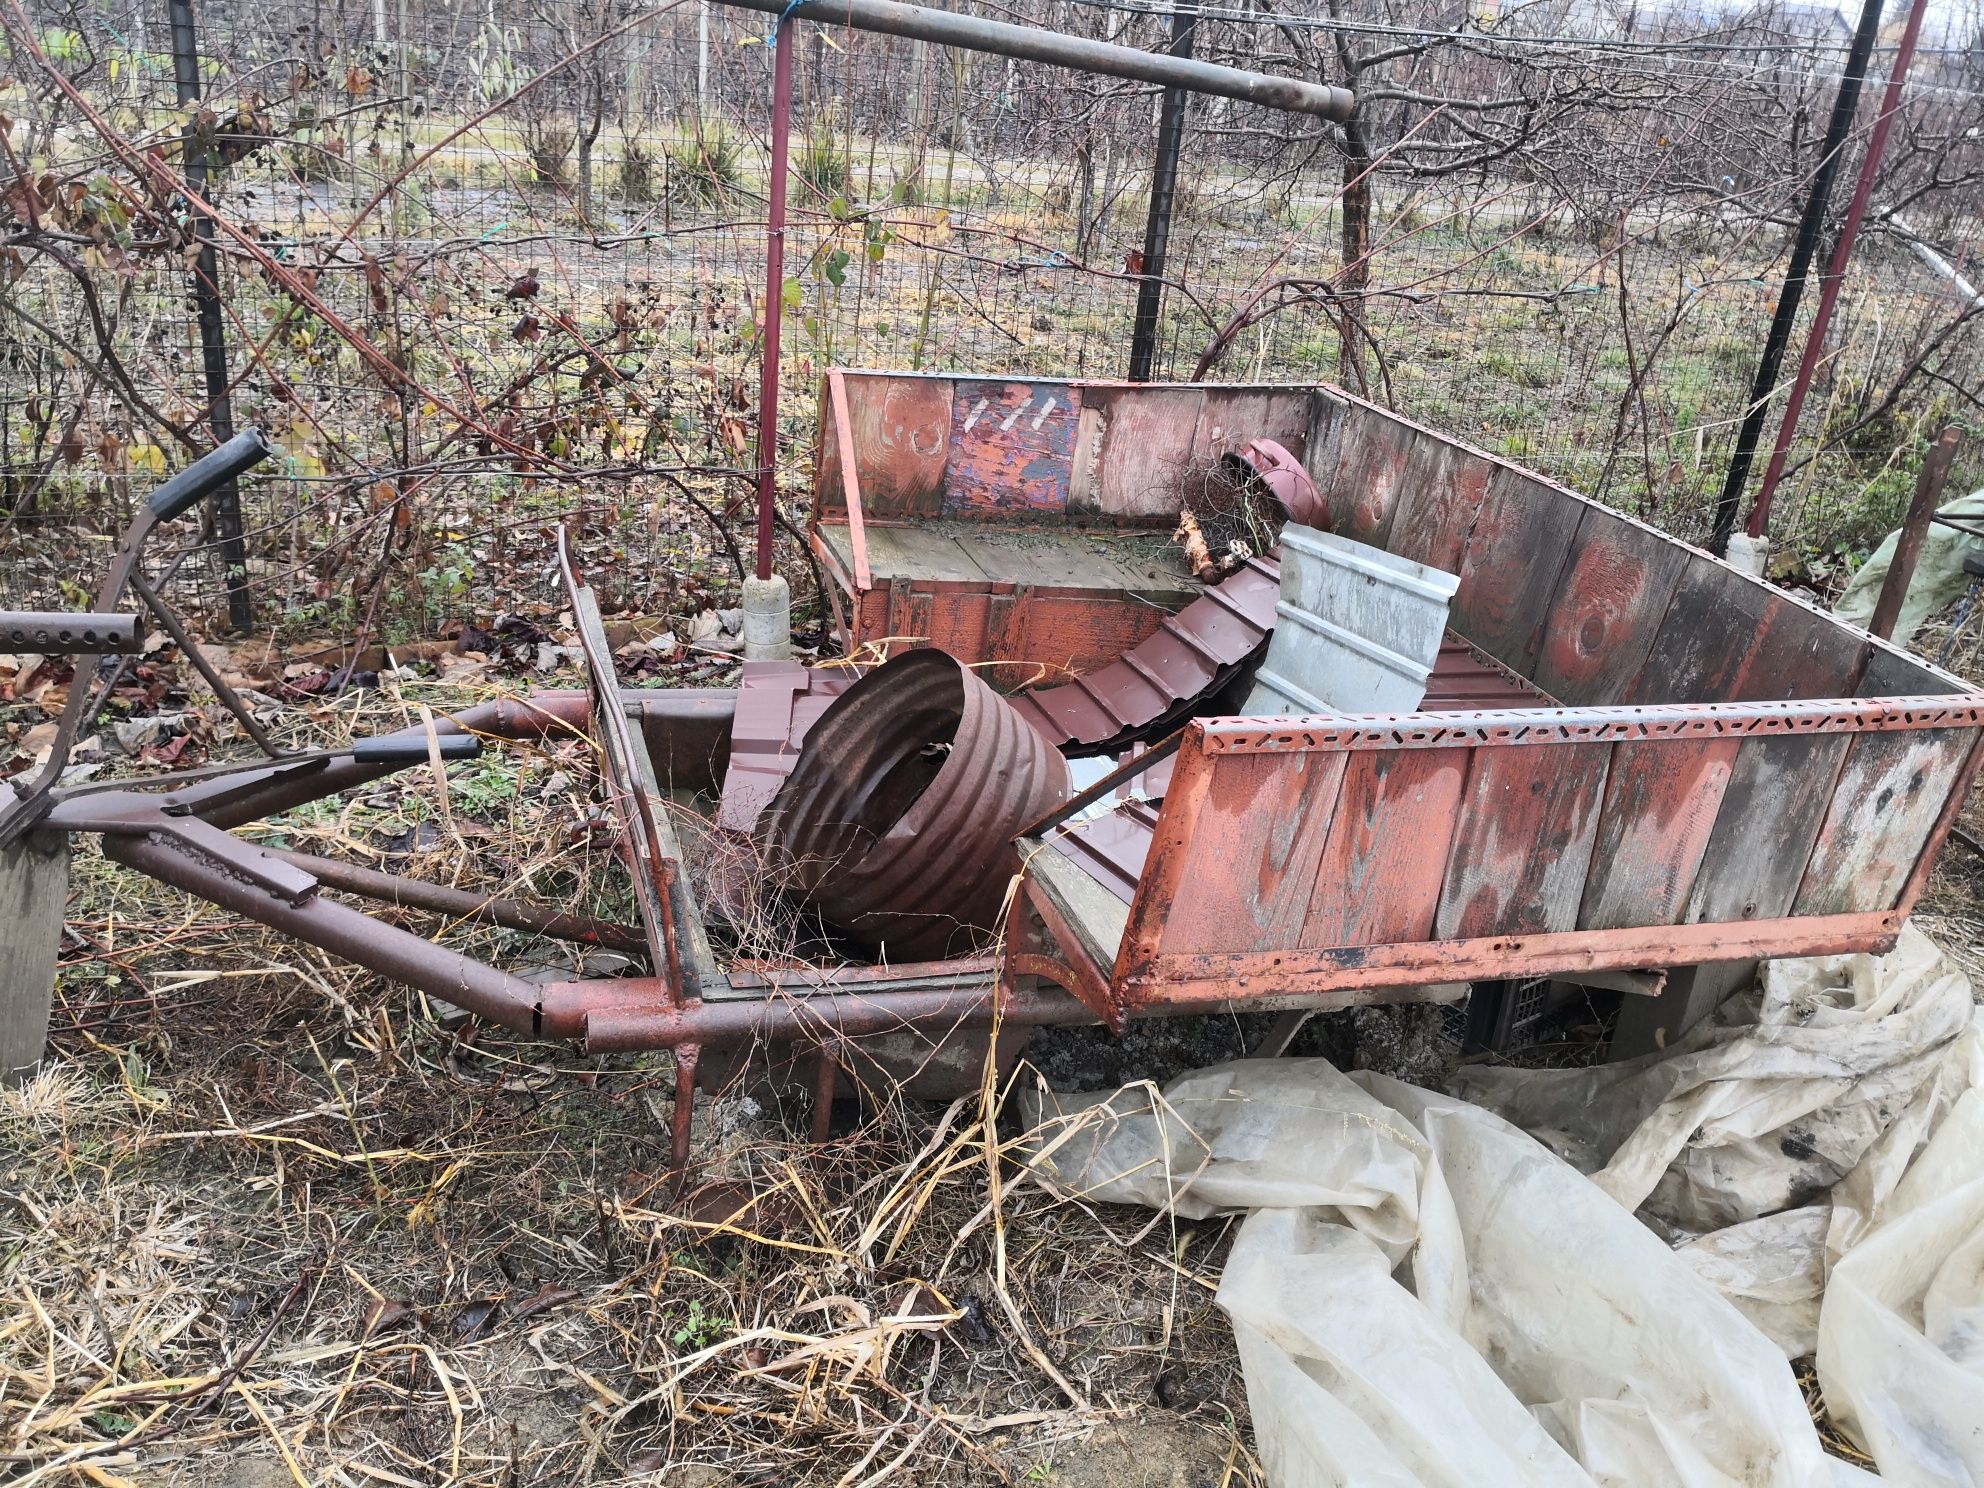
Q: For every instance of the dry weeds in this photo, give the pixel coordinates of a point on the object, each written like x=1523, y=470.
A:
x=270, y=1221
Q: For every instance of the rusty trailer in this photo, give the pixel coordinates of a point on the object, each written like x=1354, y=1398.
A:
x=1632, y=760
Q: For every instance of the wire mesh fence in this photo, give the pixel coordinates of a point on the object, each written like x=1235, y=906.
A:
x=485, y=267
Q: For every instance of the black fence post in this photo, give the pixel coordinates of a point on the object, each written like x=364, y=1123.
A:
x=1163, y=187
x=1807, y=243
x=213, y=333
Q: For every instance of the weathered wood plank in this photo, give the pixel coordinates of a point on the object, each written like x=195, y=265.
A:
x=901, y=428
x=1528, y=824
x=1890, y=792
x=1661, y=801
x=1610, y=601
x=1011, y=449
x=1729, y=638
x=1776, y=800
x=1323, y=458
x=1381, y=871
x=1146, y=444
x=34, y=885
x=1234, y=416
x=1508, y=576
x=1445, y=490
x=1251, y=869
x=1376, y=453
x=1890, y=673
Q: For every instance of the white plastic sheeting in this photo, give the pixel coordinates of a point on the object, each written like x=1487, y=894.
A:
x=1423, y=1294
x=1768, y=1139
x=1938, y=579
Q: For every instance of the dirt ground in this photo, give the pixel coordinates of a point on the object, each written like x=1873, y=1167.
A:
x=264, y=1221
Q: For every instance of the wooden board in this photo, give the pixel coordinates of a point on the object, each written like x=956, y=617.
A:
x=1661, y=801
x=1377, y=451
x=902, y=428
x=1891, y=791
x=1146, y=448
x=1776, y=800
x=1381, y=870
x=1250, y=871
x=1890, y=673
x=1235, y=416
x=1011, y=449
x=1528, y=823
x=1444, y=492
x=1322, y=459
x=1509, y=573
x=34, y=886
x=1729, y=638
x=1609, y=604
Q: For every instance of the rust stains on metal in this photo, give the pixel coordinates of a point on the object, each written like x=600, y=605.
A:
x=1287, y=479
x=897, y=824
x=778, y=702
x=1191, y=656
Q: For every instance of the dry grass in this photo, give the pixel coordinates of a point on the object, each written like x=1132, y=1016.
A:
x=267, y=1221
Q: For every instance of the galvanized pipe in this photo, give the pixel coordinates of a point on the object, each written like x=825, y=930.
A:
x=1030, y=44
x=774, y=303
x=1835, y=276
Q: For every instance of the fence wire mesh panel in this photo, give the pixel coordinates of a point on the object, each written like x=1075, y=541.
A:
x=484, y=267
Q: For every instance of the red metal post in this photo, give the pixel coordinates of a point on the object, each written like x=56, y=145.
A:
x=1815, y=340
x=1914, y=532
x=774, y=306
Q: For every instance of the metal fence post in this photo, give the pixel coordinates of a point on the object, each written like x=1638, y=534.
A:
x=213, y=334
x=1163, y=187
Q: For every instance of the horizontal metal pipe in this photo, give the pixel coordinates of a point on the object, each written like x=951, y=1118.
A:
x=636, y=1024
x=1057, y=49
x=536, y=716
x=66, y=633
x=343, y=931
x=413, y=893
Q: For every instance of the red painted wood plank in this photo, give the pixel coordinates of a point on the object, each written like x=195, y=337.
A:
x=1011, y=448
x=1376, y=453
x=1381, y=870
x=1509, y=573
x=1444, y=491
x=1661, y=801
x=1730, y=638
x=1251, y=869
x=1528, y=823
x=1890, y=794
x=901, y=429
x=1234, y=416
x=1609, y=605
x=1146, y=448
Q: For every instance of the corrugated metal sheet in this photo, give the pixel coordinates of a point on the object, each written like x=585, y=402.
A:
x=1191, y=655
x=778, y=702
x=897, y=823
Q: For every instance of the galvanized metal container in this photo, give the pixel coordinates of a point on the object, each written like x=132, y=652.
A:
x=1357, y=629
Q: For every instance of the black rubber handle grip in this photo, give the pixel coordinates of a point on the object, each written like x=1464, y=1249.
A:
x=60, y=634
x=411, y=749
x=209, y=473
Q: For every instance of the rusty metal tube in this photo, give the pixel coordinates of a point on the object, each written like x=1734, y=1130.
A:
x=343, y=931
x=413, y=893
x=631, y=1025
x=532, y=717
